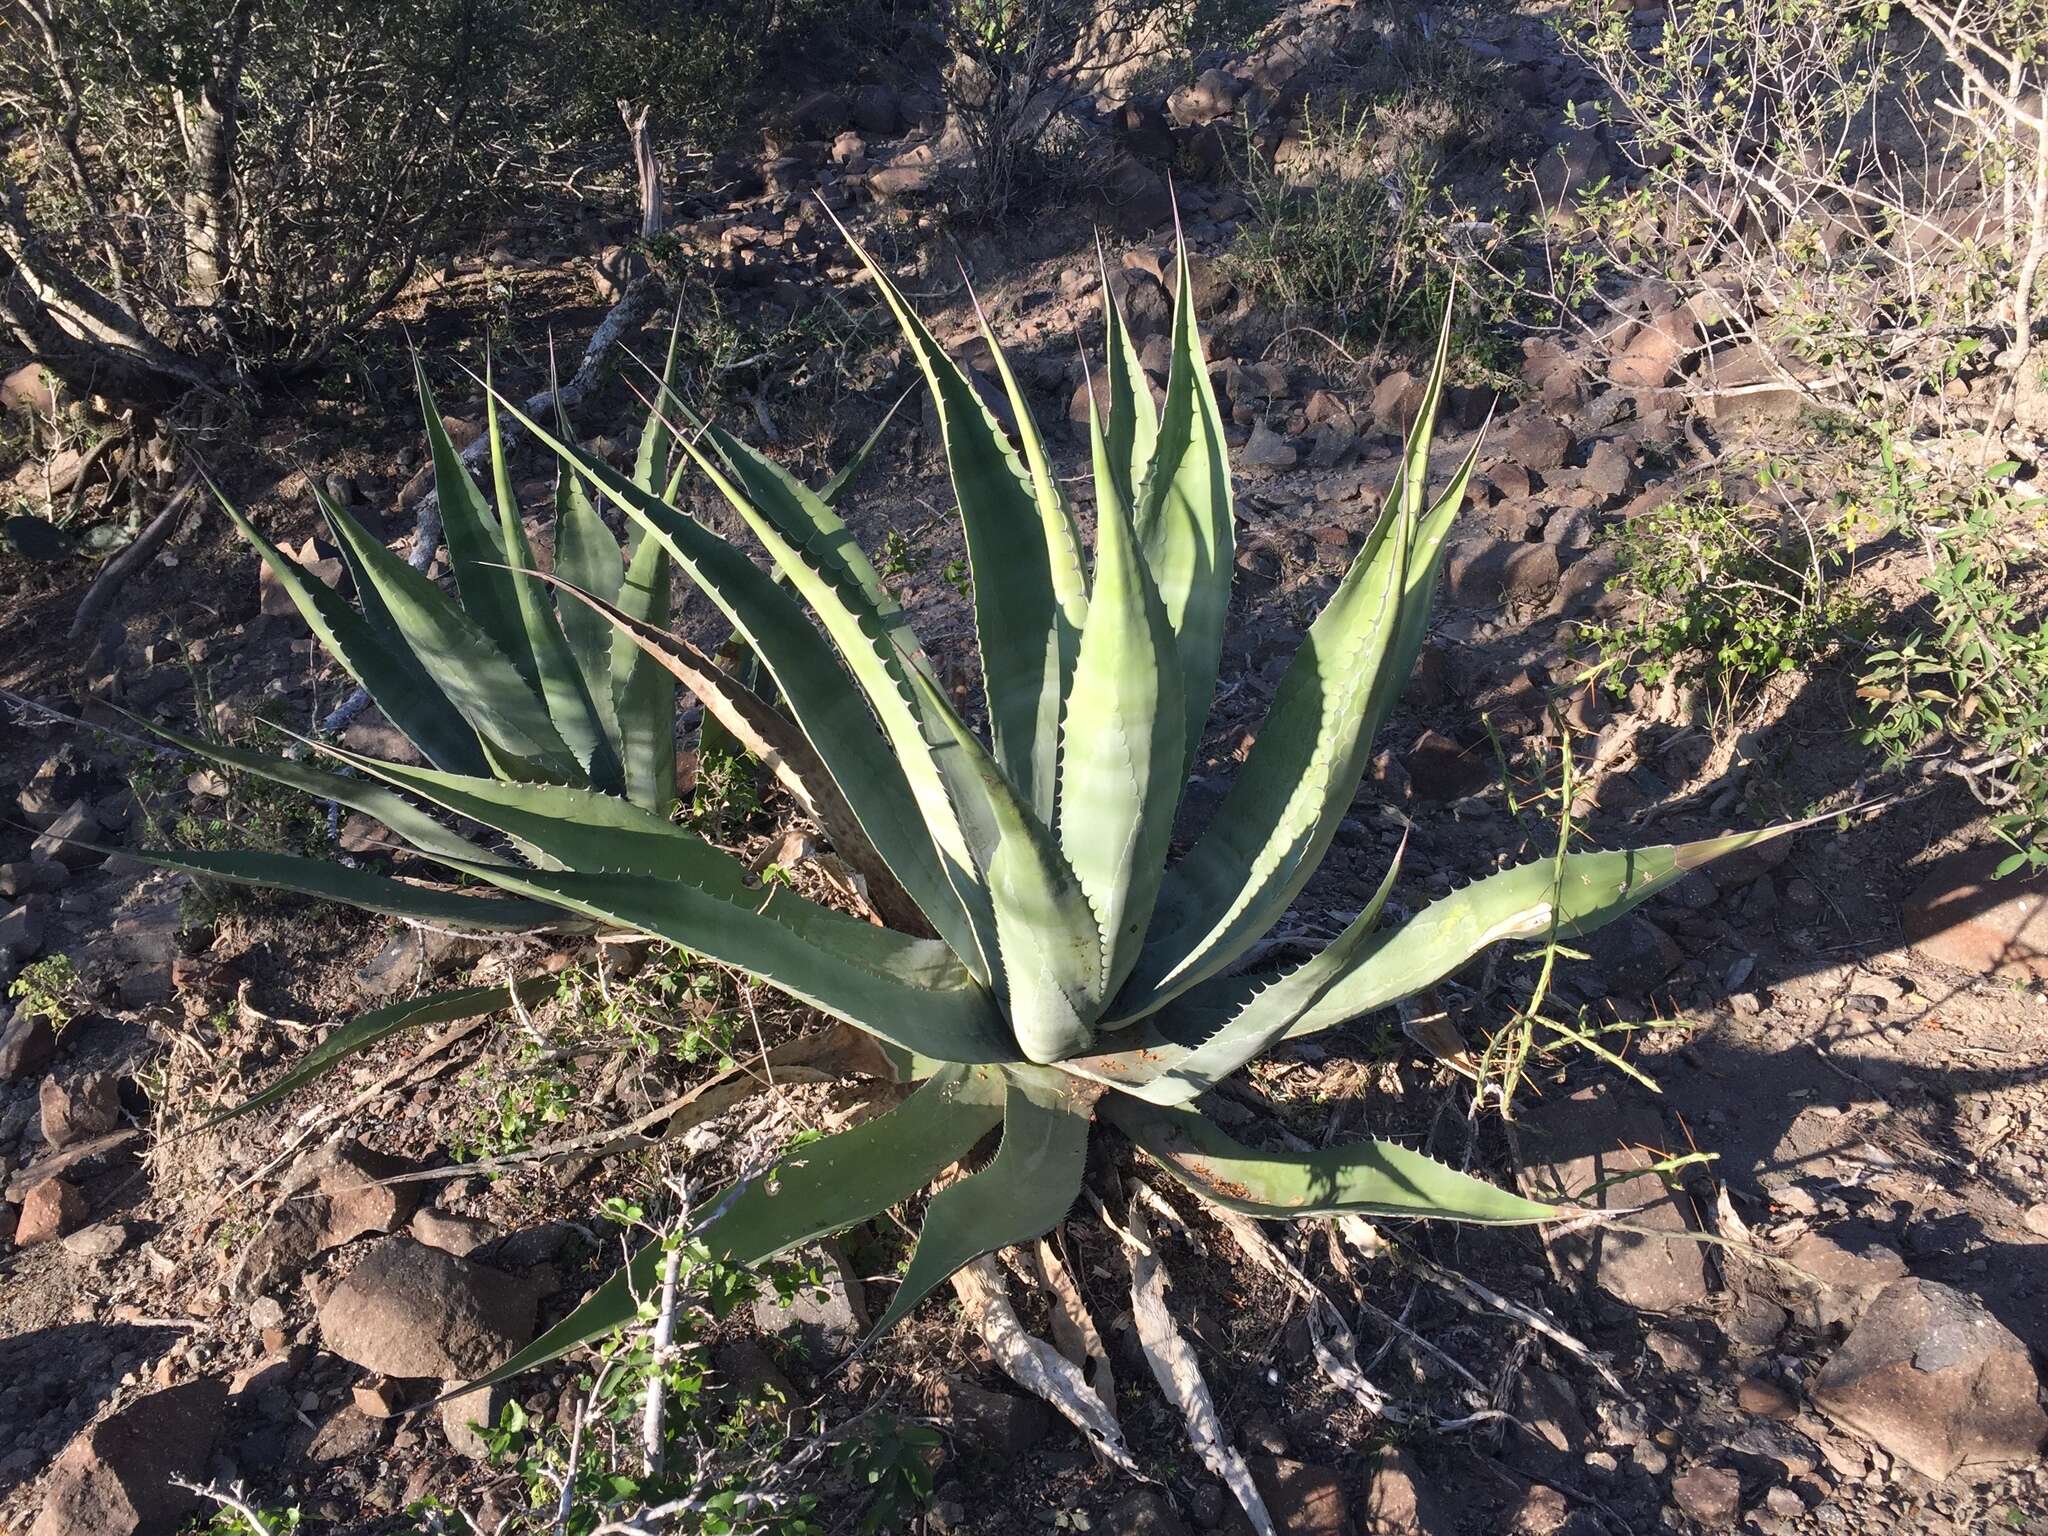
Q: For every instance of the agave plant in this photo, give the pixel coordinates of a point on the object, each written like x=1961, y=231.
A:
x=1070, y=968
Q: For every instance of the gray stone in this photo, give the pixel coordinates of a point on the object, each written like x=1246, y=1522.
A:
x=21, y=933
x=464, y=1415
x=1634, y=954
x=1267, y=449
x=26, y=1046
x=29, y=877
x=115, y=1478
x=64, y=841
x=1836, y=1274
x=1936, y=1380
x=450, y=1232
x=97, y=1243
x=1599, y=1135
x=80, y=1108
x=409, y=1310
x=1003, y=1424
x=826, y=1323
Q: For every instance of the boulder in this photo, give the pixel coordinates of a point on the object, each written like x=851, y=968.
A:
x=1400, y=1503
x=21, y=933
x=117, y=1477
x=1303, y=1500
x=79, y=1108
x=1936, y=1380
x=1003, y=1424
x=1600, y=1135
x=828, y=1321
x=1711, y=1497
x=1962, y=915
x=26, y=1046
x=50, y=1209
x=64, y=842
x=409, y=1310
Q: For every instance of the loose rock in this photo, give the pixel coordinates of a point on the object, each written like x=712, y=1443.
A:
x=115, y=1477
x=1961, y=915
x=1711, y=1496
x=1596, y=1136
x=79, y=1108
x=409, y=1310
x=1400, y=1503
x=48, y=1211
x=1937, y=1381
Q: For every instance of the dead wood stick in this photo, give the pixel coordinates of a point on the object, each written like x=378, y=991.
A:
x=133, y=558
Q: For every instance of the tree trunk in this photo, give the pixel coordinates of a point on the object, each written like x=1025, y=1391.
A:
x=210, y=156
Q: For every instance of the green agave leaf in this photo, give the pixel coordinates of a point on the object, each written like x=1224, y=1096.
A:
x=476, y=557
x=1262, y=1019
x=1184, y=513
x=1121, y=771
x=806, y=670
x=484, y=687
x=823, y=1187
x=1520, y=903
x=1062, y=537
x=572, y=827
x=1524, y=902
x=556, y=673
x=909, y=992
x=379, y=1024
x=355, y=887
x=1017, y=617
x=756, y=726
x=833, y=489
x=817, y=535
x=1022, y=1194
x=1252, y=858
x=657, y=437
x=1373, y=1178
x=389, y=672
x=394, y=811
x=643, y=693
x=1133, y=419
x=1046, y=932
x=1304, y=769
x=588, y=558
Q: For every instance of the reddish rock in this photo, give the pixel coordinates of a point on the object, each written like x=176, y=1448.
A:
x=1962, y=916
x=1303, y=1500
x=117, y=1477
x=1400, y=1503
x=48, y=1211
x=1936, y=1380
x=1710, y=1496
x=408, y=1310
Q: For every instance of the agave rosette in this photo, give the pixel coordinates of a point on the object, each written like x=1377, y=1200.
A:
x=1050, y=961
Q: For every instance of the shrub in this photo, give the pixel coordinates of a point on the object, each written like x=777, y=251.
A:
x=1729, y=596
x=1971, y=688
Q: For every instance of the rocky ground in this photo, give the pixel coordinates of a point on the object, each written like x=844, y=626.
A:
x=1850, y=1022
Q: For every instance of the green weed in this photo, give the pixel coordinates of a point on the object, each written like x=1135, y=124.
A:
x=49, y=988
x=1730, y=596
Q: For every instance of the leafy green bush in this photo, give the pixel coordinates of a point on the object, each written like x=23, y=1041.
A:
x=1974, y=683
x=1077, y=969
x=1728, y=596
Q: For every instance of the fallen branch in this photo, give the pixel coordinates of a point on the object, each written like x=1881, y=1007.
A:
x=132, y=559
